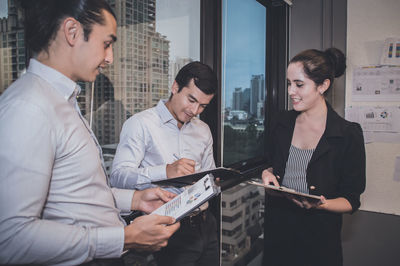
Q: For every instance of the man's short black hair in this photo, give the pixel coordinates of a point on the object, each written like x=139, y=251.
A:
x=203, y=76
x=44, y=17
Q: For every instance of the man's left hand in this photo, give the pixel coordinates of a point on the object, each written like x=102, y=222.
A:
x=150, y=199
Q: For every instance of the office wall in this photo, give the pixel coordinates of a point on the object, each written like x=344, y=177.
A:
x=369, y=238
x=370, y=22
x=372, y=238
x=320, y=24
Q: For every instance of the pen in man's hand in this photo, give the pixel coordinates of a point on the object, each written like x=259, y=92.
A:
x=196, y=167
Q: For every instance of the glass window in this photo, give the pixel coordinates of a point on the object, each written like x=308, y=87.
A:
x=12, y=60
x=243, y=79
x=154, y=42
x=243, y=105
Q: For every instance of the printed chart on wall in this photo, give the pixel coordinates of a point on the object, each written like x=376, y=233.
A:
x=391, y=52
x=376, y=83
x=379, y=124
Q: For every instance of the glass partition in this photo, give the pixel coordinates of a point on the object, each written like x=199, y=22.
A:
x=155, y=39
x=243, y=79
x=243, y=104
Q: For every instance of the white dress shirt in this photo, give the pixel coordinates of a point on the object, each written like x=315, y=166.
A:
x=151, y=139
x=56, y=206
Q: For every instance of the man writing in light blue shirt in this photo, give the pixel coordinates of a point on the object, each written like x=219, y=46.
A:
x=56, y=205
x=168, y=141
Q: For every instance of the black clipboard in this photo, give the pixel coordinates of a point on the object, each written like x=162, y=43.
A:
x=225, y=176
x=284, y=191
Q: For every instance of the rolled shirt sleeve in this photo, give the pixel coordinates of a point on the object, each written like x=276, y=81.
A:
x=109, y=242
x=123, y=199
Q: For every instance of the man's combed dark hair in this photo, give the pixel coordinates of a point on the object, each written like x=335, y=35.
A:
x=322, y=65
x=44, y=17
x=203, y=76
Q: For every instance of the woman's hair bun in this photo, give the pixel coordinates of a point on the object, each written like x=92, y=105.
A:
x=338, y=61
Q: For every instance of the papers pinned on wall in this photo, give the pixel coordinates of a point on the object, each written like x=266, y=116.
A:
x=396, y=174
x=379, y=124
x=391, y=52
x=376, y=83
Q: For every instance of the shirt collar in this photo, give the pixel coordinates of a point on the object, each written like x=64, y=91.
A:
x=165, y=114
x=163, y=111
x=64, y=85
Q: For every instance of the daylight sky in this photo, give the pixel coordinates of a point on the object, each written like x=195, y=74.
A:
x=3, y=8
x=243, y=44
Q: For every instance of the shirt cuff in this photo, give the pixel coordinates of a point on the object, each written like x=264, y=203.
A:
x=110, y=242
x=158, y=172
x=123, y=198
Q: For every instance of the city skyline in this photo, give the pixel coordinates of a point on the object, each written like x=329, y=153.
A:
x=136, y=81
x=250, y=99
x=243, y=51
x=147, y=56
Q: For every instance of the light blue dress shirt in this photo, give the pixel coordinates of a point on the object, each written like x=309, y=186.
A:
x=56, y=206
x=151, y=139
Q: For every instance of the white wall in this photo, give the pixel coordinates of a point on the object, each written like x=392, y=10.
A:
x=369, y=23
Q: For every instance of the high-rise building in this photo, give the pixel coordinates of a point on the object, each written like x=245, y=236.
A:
x=242, y=223
x=257, y=86
x=237, y=99
x=12, y=46
x=138, y=78
x=175, y=66
x=246, y=100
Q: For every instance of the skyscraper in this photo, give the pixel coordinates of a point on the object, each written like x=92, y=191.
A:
x=138, y=77
x=175, y=66
x=12, y=46
x=237, y=99
x=257, y=99
x=246, y=100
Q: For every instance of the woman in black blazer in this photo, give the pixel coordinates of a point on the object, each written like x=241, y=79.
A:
x=314, y=150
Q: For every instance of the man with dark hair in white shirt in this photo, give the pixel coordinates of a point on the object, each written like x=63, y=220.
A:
x=167, y=141
x=56, y=205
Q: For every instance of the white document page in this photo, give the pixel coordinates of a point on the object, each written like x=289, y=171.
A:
x=191, y=198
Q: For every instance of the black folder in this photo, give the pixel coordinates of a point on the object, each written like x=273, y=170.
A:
x=284, y=191
x=225, y=178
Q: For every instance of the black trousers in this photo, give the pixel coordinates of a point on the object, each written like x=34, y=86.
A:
x=132, y=258
x=194, y=244
x=296, y=236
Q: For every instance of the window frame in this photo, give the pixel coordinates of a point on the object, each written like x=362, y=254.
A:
x=277, y=32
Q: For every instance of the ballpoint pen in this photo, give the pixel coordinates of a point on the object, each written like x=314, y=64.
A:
x=196, y=167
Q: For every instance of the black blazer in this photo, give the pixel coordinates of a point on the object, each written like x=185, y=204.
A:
x=337, y=166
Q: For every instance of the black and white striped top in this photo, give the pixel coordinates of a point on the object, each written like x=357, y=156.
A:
x=296, y=166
